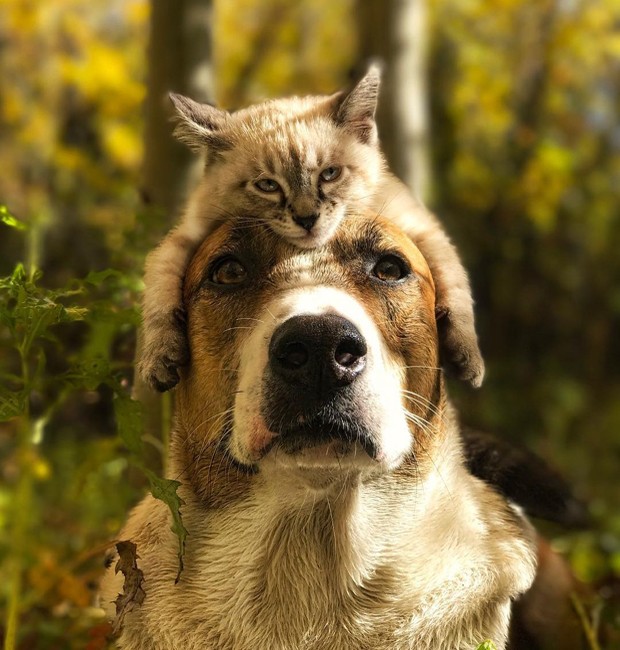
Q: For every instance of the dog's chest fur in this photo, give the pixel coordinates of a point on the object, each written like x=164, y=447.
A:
x=316, y=578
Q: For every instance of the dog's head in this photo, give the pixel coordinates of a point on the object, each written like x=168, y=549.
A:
x=311, y=364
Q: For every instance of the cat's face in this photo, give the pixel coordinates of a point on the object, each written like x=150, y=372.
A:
x=296, y=164
x=298, y=175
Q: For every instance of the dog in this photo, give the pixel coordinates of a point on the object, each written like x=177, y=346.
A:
x=326, y=495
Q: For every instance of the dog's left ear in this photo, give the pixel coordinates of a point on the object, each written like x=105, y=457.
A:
x=356, y=109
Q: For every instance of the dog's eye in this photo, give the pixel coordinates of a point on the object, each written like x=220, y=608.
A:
x=228, y=271
x=267, y=185
x=390, y=268
x=330, y=173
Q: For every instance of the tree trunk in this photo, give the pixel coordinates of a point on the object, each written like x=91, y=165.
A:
x=395, y=32
x=179, y=59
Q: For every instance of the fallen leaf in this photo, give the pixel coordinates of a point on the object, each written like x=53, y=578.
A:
x=133, y=593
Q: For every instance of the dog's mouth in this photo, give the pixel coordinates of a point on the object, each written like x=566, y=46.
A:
x=322, y=440
x=336, y=435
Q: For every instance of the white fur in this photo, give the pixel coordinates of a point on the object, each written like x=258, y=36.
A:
x=322, y=555
x=381, y=380
x=425, y=568
x=318, y=552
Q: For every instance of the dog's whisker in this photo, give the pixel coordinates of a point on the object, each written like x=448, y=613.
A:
x=421, y=400
x=206, y=438
x=331, y=518
x=300, y=509
x=423, y=423
x=202, y=423
x=420, y=367
x=426, y=426
x=416, y=398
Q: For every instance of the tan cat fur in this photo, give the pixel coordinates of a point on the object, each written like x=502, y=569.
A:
x=291, y=141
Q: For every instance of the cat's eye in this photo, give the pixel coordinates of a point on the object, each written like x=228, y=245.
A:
x=391, y=268
x=267, y=185
x=228, y=271
x=330, y=173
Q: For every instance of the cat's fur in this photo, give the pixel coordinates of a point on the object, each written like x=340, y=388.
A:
x=292, y=141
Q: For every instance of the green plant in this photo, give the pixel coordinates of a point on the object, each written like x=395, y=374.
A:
x=76, y=326
x=487, y=645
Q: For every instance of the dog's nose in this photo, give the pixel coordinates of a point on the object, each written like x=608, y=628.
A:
x=319, y=353
x=307, y=222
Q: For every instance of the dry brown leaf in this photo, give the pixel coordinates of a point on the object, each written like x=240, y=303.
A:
x=133, y=593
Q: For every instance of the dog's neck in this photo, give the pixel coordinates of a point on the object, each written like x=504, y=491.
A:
x=368, y=562
x=347, y=529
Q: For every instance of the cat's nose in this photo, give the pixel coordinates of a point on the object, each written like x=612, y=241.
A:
x=307, y=222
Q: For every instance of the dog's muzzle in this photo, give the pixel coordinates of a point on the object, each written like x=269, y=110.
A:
x=314, y=364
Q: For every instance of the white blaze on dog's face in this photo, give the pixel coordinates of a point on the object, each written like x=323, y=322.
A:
x=311, y=362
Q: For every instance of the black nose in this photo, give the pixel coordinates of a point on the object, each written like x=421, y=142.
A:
x=307, y=222
x=318, y=353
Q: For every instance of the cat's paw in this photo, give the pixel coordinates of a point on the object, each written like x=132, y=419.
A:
x=164, y=351
x=459, y=351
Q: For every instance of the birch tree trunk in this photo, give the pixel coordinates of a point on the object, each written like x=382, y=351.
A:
x=395, y=32
x=179, y=59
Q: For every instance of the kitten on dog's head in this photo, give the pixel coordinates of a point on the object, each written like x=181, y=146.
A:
x=295, y=163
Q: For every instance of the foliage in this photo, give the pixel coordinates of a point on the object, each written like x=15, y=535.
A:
x=287, y=48
x=524, y=97
x=70, y=126
x=527, y=169
x=33, y=320
x=129, y=419
x=133, y=594
x=38, y=382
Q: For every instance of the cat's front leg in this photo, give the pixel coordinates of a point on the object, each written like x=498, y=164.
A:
x=165, y=347
x=459, y=350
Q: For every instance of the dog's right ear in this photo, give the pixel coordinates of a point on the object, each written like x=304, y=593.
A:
x=200, y=126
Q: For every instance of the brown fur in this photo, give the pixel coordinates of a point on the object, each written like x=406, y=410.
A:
x=291, y=141
x=357, y=554
x=543, y=618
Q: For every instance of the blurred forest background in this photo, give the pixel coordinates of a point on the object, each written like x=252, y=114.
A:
x=502, y=113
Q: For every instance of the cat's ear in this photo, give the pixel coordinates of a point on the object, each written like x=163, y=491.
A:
x=356, y=109
x=200, y=126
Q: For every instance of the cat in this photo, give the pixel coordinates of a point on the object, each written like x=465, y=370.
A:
x=300, y=165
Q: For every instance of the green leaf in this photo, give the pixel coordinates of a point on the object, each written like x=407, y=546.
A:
x=8, y=219
x=18, y=278
x=487, y=645
x=35, y=317
x=166, y=490
x=97, y=278
x=129, y=422
x=29, y=310
x=90, y=373
x=12, y=404
x=6, y=316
